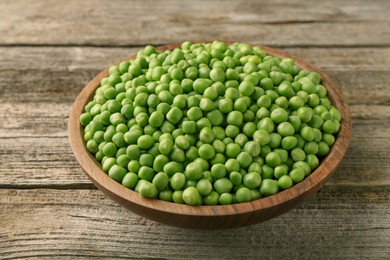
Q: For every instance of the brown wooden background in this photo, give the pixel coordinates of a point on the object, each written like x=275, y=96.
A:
x=50, y=49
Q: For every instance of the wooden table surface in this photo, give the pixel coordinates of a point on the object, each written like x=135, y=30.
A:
x=50, y=49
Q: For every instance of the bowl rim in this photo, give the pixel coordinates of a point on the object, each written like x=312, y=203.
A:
x=311, y=183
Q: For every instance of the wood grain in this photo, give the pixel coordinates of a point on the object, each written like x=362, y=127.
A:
x=39, y=113
x=276, y=23
x=84, y=223
x=50, y=210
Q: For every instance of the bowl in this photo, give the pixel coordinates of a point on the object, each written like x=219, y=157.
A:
x=221, y=216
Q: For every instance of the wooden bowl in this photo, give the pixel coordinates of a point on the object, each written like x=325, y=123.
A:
x=212, y=217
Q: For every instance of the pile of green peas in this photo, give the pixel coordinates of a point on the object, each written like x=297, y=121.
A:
x=209, y=123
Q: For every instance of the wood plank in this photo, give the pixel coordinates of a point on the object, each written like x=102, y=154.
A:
x=48, y=160
x=84, y=223
x=33, y=112
x=361, y=73
x=97, y=58
x=277, y=23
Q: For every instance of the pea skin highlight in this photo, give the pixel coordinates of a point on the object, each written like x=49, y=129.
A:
x=209, y=123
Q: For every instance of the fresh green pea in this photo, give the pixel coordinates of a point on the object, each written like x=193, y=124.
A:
x=279, y=115
x=244, y=159
x=218, y=171
x=297, y=175
x=117, y=172
x=269, y=187
x=243, y=194
x=211, y=199
x=285, y=129
x=252, y=180
x=204, y=187
x=253, y=148
x=285, y=182
x=266, y=124
x=275, y=140
x=148, y=189
x=297, y=154
x=223, y=185
x=191, y=196
x=225, y=198
x=130, y=180
x=232, y=131
x=193, y=171
x=206, y=151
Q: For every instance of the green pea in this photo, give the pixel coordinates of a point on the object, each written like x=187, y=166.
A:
x=289, y=142
x=193, y=171
x=297, y=175
x=266, y=83
x=266, y=124
x=161, y=180
x=177, y=196
x=173, y=167
x=159, y=162
x=273, y=159
x=206, y=151
x=177, y=181
x=177, y=155
x=232, y=93
x=215, y=117
x=311, y=148
x=232, y=150
x=246, y=88
x=307, y=133
x=218, y=171
x=117, y=172
x=279, y=115
x=148, y=189
x=206, y=135
x=191, y=196
x=297, y=154
x=253, y=148
x=85, y=118
x=174, y=115
x=225, y=105
x=130, y=180
x=285, y=129
x=204, y=187
x=243, y=194
x=146, y=173
x=219, y=132
x=194, y=113
x=285, y=182
x=235, y=118
x=323, y=149
x=211, y=199
x=217, y=75
x=305, y=114
x=252, y=180
x=225, y=198
x=145, y=141
x=269, y=187
x=202, y=162
x=304, y=166
x=244, y=159
x=275, y=140
x=264, y=101
x=312, y=160
x=223, y=185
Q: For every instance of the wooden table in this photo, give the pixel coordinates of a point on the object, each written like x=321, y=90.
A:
x=50, y=50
